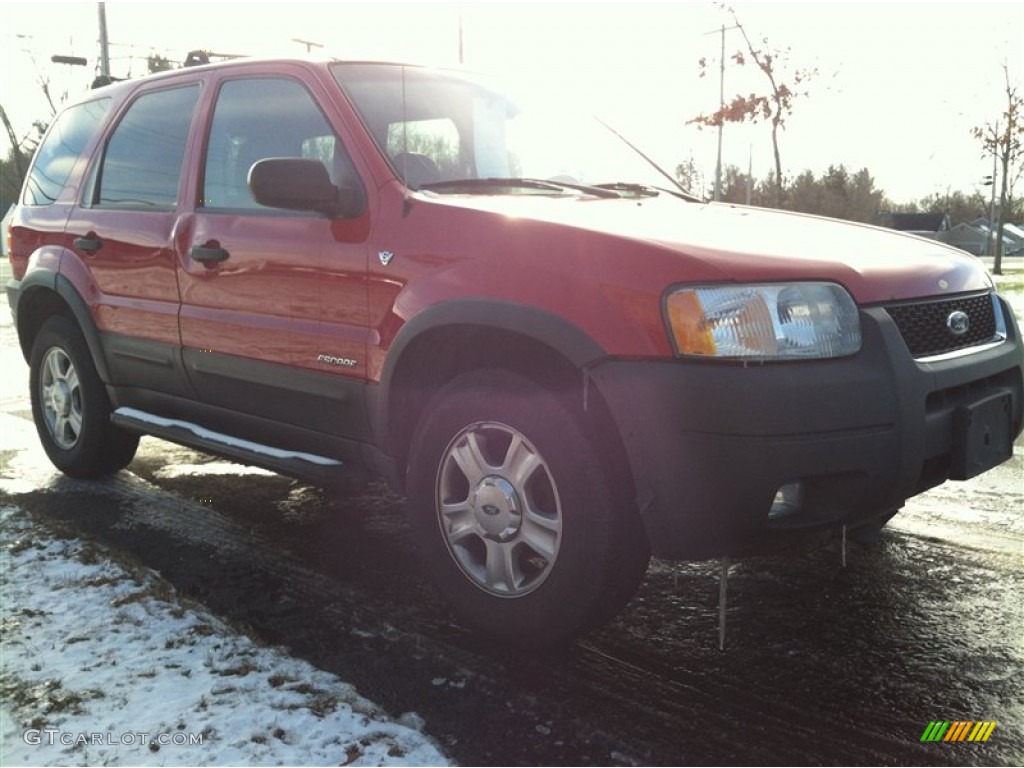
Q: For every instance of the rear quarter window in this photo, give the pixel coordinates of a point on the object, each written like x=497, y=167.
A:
x=142, y=163
x=63, y=145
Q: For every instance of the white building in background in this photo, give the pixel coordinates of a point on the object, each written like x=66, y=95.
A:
x=976, y=238
x=3, y=236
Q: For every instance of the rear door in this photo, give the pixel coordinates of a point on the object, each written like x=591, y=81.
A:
x=123, y=231
x=252, y=277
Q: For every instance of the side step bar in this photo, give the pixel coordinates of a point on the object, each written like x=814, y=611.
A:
x=294, y=463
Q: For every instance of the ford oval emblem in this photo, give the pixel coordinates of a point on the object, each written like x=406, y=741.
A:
x=958, y=322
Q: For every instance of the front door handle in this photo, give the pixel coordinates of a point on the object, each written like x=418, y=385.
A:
x=88, y=244
x=209, y=254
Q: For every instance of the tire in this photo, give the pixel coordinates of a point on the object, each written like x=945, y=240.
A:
x=516, y=520
x=70, y=405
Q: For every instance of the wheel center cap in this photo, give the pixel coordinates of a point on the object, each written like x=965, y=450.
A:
x=61, y=398
x=497, y=508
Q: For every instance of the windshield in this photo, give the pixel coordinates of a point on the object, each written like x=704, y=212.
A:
x=452, y=133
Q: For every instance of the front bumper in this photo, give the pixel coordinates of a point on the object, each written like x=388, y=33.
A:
x=710, y=443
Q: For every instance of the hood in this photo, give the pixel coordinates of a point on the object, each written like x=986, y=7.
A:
x=747, y=244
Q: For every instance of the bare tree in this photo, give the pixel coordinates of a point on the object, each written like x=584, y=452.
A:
x=17, y=156
x=23, y=148
x=690, y=177
x=775, y=106
x=1004, y=140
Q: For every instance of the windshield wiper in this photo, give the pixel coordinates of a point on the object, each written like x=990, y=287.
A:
x=494, y=184
x=645, y=190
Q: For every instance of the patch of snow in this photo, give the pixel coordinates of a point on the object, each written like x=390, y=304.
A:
x=210, y=468
x=106, y=666
x=16, y=433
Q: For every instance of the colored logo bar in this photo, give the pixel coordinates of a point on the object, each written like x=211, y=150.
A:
x=958, y=730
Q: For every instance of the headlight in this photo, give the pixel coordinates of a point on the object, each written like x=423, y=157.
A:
x=788, y=321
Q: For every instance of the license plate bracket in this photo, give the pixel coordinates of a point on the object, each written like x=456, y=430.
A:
x=982, y=436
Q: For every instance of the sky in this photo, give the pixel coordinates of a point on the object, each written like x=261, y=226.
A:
x=897, y=86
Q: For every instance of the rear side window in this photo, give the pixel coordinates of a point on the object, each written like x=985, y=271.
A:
x=60, y=149
x=142, y=163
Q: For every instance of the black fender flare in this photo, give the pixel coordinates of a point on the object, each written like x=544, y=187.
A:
x=549, y=329
x=47, y=280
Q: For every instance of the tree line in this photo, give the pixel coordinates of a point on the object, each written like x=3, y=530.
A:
x=841, y=194
x=837, y=192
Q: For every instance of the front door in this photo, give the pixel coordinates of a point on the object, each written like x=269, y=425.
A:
x=252, y=277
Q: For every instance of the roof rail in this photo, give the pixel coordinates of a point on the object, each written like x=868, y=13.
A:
x=202, y=56
x=101, y=80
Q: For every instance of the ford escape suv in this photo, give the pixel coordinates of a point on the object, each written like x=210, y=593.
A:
x=561, y=359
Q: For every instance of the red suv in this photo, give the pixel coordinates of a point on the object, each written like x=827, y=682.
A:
x=564, y=361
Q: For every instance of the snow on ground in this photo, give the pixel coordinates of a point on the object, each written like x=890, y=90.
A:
x=103, y=665
x=172, y=471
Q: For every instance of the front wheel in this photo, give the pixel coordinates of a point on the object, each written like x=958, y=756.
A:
x=70, y=406
x=519, y=525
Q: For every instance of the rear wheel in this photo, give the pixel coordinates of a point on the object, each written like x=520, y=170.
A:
x=519, y=525
x=70, y=406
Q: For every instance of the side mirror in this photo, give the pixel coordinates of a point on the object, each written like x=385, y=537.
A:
x=297, y=184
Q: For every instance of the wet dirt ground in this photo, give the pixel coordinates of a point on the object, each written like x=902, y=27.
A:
x=823, y=664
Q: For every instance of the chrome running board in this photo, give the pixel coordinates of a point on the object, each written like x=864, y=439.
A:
x=245, y=451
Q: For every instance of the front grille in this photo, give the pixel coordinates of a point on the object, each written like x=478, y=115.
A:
x=924, y=325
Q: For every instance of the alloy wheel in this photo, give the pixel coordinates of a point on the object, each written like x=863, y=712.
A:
x=499, y=509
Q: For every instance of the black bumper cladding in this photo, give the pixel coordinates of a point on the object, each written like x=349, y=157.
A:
x=710, y=443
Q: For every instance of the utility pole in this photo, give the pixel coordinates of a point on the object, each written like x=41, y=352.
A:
x=992, y=233
x=104, y=43
x=310, y=45
x=750, y=173
x=721, y=106
x=721, y=123
x=461, y=59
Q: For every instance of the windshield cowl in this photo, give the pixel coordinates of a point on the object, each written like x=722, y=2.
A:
x=518, y=186
x=511, y=186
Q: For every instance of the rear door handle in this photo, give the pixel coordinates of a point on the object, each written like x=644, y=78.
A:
x=209, y=254
x=88, y=244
